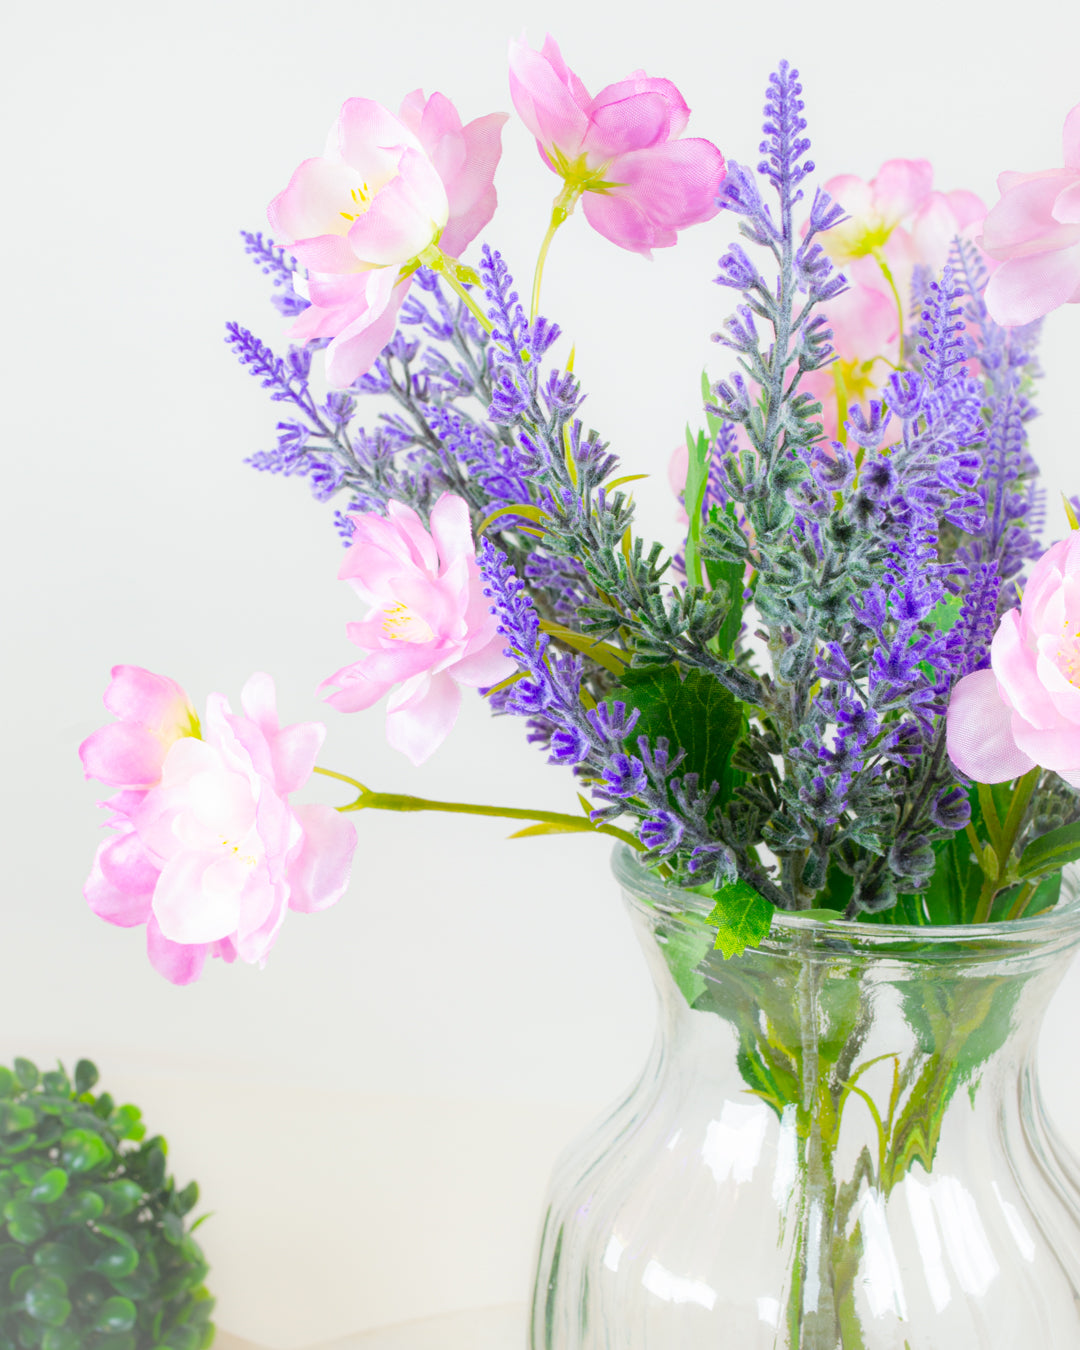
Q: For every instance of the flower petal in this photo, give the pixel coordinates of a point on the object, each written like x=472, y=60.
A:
x=178, y=962
x=319, y=874
x=979, y=732
x=1024, y=289
x=421, y=715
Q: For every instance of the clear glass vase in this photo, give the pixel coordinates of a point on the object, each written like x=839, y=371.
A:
x=838, y=1141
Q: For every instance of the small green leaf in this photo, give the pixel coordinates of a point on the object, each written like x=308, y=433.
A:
x=82, y=1150
x=59, y=1259
x=115, y=1314
x=46, y=1300
x=1051, y=851
x=27, y=1074
x=86, y=1075
x=8, y=1083
x=51, y=1186
x=121, y=1197
x=684, y=950
x=61, y=1338
x=83, y=1208
x=742, y=916
x=25, y=1222
x=551, y=827
x=188, y=1198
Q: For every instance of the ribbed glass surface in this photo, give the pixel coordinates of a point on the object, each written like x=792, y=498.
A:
x=837, y=1141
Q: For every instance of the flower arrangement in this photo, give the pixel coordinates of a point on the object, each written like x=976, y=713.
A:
x=826, y=702
x=97, y=1252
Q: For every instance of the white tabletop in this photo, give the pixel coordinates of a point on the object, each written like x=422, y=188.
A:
x=478, y=1329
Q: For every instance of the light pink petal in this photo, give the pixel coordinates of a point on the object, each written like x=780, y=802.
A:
x=554, y=57
x=419, y=719
x=678, y=114
x=1021, y=223
x=1024, y=289
x=319, y=874
x=126, y=864
x=123, y=755
x=354, y=351
x=137, y=695
x=544, y=102
x=901, y=186
x=369, y=138
x=490, y=665
x=118, y=905
x=330, y=254
x=1070, y=139
x=979, y=732
x=934, y=229
x=864, y=323
x=471, y=191
x=404, y=217
x=674, y=185
x=624, y=222
x=349, y=294
x=1058, y=749
x=852, y=193
x=410, y=528
x=258, y=699
x=185, y=910
x=312, y=204
x=635, y=122
x=1014, y=667
x=180, y=964
x=451, y=529
x=294, y=751
x=1066, y=206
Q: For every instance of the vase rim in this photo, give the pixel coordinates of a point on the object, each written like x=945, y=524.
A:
x=1061, y=923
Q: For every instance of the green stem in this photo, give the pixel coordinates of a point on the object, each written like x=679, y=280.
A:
x=400, y=801
x=887, y=274
x=1003, y=837
x=1027, y=890
x=456, y=274
x=560, y=212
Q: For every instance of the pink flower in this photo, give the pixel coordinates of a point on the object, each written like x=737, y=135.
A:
x=1034, y=230
x=897, y=221
x=154, y=713
x=621, y=150
x=429, y=628
x=1025, y=710
x=865, y=329
x=208, y=852
x=385, y=190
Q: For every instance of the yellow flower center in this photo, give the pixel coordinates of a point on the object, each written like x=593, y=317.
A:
x=1068, y=654
x=401, y=624
x=362, y=198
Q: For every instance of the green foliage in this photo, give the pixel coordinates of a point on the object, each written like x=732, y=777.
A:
x=1051, y=851
x=694, y=712
x=94, y=1251
x=742, y=917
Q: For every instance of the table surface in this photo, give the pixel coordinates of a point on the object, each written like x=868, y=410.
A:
x=478, y=1329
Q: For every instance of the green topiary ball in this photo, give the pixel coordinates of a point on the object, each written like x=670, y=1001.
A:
x=94, y=1253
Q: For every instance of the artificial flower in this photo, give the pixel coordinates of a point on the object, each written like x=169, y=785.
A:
x=622, y=152
x=1034, y=231
x=865, y=329
x=153, y=712
x=211, y=854
x=897, y=222
x=385, y=190
x=429, y=628
x=1025, y=710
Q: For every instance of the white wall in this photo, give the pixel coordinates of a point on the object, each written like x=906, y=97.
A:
x=489, y=982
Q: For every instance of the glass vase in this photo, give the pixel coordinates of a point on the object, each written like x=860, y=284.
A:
x=838, y=1141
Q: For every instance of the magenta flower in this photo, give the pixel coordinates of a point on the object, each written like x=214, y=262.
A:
x=429, y=629
x=1025, y=710
x=362, y=214
x=209, y=853
x=620, y=152
x=1034, y=230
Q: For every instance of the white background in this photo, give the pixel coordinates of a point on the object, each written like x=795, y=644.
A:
x=372, y=1116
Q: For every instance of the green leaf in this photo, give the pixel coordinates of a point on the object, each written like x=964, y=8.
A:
x=121, y=1197
x=115, y=1314
x=8, y=1083
x=697, y=478
x=26, y=1073
x=61, y=1338
x=742, y=916
x=59, y=1259
x=86, y=1075
x=49, y=1187
x=947, y=614
x=82, y=1208
x=82, y=1150
x=46, y=1300
x=552, y=827
x=25, y=1222
x=696, y=714
x=732, y=575
x=684, y=950
x=1051, y=851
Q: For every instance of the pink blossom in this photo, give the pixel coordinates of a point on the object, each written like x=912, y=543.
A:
x=1034, y=231
x=210, y=853
x=897, y=222
x=1025, y=710
x=623, y=150
x=865, y=328
x=385, y=190
x=428, y=629
x=153, y=713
